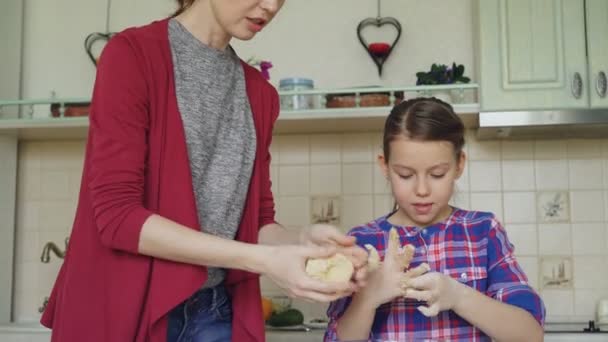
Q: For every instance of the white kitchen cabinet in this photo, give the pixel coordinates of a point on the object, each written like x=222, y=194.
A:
x=532, y=54
x=597, y=45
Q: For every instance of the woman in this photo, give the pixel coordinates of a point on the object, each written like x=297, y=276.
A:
x=175, y=216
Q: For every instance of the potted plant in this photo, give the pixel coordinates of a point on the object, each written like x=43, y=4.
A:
x=442, y=74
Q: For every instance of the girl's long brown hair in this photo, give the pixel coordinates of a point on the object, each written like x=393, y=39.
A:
x=424, y=119
x=183, y=5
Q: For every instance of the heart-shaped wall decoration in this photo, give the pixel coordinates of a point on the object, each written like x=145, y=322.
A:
x=90, y=41
x=379, y=51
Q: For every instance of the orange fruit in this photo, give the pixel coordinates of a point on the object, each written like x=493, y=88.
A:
x=266, y=308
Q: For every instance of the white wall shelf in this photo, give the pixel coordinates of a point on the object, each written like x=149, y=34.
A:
x=318, y=120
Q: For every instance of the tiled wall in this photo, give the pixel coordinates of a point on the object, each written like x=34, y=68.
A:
x=552, y=197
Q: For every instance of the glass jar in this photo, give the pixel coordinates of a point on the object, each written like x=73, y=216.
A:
x=296, y=102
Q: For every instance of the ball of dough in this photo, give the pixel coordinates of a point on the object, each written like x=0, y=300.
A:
x=335, y=269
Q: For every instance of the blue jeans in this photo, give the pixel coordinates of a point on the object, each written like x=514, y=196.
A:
x=204, y=317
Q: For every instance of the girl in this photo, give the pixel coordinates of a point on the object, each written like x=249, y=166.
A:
x=175, y=217
x=474, y=289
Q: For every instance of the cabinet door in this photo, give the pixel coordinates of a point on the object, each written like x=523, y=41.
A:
x=532, y=54
x=597, y=45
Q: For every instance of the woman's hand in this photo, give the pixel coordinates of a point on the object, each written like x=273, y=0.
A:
x=285, y=265
x=439, y=291
x=329, y=236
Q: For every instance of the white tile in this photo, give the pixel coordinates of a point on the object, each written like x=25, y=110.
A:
x=461, y=200
x=606, y=205
x=27, y=277
x=585, y=302
x=524, y=238
x=585, y=174
x=274, y=150
x=551, y=174
x=587, y=206
x=584, y=148
x=550, y=149
x=26, y=246
x=556, y=272
x=357, y=210
x=488, y=201
x=589, y=239
x=59, y=155
x=357, y=179
x=590, y=272
x=74, y=178
x=530, y=267
x=357, y=148
x=377, y=143
x=383, y=204
x=553, y=206
x=325, y=179
x=274, y=180
x=554, y=239
x=55, y=185
x=294, y=180
x=463, y=183
x=294, y=211
x=605, y=173
x=518, y=175
x=518, y=150
x=326, y=209
x=485, y=176
x=26, y=306
x=56, y=215
x=30, y=153
x=520, y=207
x=294, y=149
x=381, y=184
x=29, y=184
x=558, y=302
x=28, y=214
x=484, y=150
x=325, y=149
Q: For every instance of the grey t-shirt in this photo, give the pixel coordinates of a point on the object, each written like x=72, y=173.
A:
x=220, y=134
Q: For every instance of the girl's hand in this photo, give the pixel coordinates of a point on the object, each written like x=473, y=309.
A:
x=285, y=265
x=387, y=282
x=439, y=291
x=329, y=236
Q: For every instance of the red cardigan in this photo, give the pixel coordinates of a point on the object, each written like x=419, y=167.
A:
x=137, y=164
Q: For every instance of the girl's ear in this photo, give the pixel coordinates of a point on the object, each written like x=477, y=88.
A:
x=382, y=163
x=461, y=163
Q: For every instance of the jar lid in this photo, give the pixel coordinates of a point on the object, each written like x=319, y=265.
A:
x=294, y=81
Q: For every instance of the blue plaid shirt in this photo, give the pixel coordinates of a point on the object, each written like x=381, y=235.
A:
x=469, y=246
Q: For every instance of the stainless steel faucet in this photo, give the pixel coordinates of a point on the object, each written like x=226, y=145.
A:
x=52, y=247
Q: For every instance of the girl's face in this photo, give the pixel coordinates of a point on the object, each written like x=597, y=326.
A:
x=242, y=19
x=422, y=176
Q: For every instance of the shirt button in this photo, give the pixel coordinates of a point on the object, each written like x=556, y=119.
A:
x=463, y=276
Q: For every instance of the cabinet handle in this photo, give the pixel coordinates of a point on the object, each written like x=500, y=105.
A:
x=577, y=85
x=601, y=84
